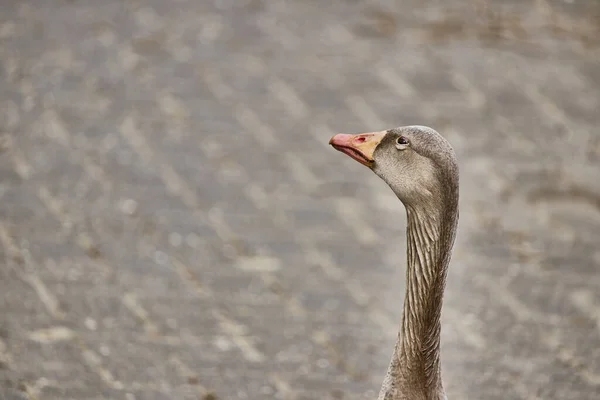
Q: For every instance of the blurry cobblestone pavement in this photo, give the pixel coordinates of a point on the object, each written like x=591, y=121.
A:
x=173, y=224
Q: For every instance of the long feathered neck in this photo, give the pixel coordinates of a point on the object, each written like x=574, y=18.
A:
x=414, y=371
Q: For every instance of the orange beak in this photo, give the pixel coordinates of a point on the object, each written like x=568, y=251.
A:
x=360, y=146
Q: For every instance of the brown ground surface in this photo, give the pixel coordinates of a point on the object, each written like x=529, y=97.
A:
x=174, y=226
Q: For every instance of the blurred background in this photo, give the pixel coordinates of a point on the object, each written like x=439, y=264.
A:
x=173, y=224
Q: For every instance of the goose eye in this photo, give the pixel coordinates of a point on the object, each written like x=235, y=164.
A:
x=401, y=142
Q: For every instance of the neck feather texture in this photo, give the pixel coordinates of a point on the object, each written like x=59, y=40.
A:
x=414, y=371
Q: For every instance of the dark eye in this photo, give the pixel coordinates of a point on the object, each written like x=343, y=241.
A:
x=402, y=141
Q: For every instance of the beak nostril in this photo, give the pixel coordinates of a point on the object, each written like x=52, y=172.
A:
x=361, y=139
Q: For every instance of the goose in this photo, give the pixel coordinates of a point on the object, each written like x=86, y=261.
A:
x=420, y=166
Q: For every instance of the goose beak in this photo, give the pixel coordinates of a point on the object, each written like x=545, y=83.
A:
x=359, y=147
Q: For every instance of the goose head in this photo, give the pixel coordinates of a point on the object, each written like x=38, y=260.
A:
x=416, y=162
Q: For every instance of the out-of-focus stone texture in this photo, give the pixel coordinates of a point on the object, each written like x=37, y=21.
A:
x=174, y=225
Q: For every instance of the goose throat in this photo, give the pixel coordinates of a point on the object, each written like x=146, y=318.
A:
x=428, y=249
